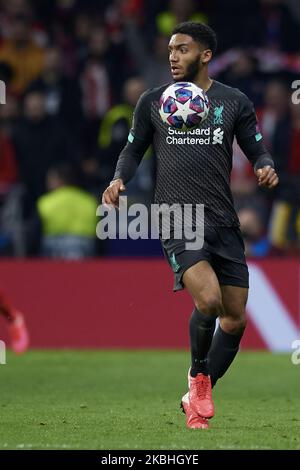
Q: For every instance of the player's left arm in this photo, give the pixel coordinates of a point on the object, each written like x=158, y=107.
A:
x=250, y=140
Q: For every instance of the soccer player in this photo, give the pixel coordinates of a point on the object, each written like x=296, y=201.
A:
x=216, y=276
x=17, y=327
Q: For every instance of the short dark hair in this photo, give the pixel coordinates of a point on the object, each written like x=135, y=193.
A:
x=200, y=33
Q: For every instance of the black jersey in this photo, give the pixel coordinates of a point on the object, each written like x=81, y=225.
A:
x=194, y=167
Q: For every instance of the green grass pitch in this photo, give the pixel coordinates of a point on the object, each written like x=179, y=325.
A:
x=130, y=400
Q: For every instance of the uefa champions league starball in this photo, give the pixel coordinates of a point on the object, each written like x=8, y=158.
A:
x=183, y=105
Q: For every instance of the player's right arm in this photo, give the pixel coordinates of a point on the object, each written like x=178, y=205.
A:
x=139, y=139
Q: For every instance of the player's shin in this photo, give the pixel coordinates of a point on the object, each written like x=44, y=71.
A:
x=224, y=348
x=202, y=328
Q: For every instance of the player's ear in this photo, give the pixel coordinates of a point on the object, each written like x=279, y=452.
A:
x=206, y=56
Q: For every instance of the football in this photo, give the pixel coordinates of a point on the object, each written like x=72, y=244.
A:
x=183, y=105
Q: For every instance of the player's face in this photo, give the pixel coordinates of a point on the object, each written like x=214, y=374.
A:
x=186, y=57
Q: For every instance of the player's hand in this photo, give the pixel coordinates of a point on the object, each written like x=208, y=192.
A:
x=111, y=194
x=267, y=177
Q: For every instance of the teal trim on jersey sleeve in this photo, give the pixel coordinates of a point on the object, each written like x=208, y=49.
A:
x=130, y=137
x=258, y=137
x=175, y=265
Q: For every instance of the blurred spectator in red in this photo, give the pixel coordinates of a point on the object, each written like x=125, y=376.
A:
x=8, y=113
x=22, y=54
x=8, y=165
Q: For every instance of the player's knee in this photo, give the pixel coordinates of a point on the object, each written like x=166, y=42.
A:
x=234, y=325
x=209, y=305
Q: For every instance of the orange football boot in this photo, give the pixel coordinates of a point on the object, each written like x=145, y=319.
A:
x=200, y=397
x=193, y=420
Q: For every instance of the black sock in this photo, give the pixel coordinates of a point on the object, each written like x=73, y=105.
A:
x=224, y=348
x=202, y=328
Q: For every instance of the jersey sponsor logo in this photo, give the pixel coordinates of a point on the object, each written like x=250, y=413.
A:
x=218, y=115
x=198, y=136
x=218, y=136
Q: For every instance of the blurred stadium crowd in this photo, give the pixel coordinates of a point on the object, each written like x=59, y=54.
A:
x=74, y=70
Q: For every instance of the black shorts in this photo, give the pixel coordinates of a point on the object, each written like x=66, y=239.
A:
x=223, y=248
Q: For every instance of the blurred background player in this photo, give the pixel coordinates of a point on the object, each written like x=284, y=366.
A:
x=18, y=331
x=67, y=216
